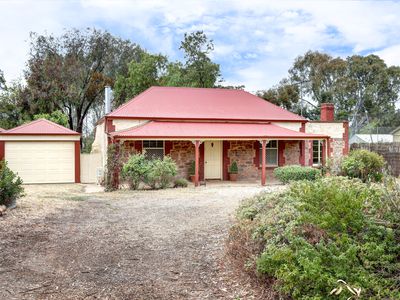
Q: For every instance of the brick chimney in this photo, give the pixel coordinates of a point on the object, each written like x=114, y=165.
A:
x=327, y=112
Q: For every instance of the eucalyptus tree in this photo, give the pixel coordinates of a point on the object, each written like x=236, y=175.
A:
x=69, y=72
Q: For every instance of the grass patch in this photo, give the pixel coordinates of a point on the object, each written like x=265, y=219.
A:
x=76, y=198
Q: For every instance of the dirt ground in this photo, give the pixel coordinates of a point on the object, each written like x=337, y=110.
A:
x=75, y=242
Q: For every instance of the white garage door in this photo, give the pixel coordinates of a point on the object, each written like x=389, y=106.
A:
x=42, y=162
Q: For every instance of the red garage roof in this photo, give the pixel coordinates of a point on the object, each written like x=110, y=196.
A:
x=201, y=104
x=40, y=127
x=201, y=130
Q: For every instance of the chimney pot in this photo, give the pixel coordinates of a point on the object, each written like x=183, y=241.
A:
x=327, y=112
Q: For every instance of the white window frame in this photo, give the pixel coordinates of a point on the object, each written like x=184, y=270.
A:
x=163, y=146
x=320, y=153
x=269, y=148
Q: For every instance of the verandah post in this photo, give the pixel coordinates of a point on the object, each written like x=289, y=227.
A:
x=263, y=161
x=197, y=162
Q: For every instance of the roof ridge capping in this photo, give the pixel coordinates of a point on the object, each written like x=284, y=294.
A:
x=20, y=129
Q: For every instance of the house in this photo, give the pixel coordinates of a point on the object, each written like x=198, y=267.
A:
x=215, y=127
x=371, y=138
x=42, y=152
x=396, y=135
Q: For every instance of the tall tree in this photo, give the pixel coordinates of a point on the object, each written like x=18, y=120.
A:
x=13, y=105
x=200, y=70
x=155, y=70
x=142, y=74
x=363, y=88
x=2, y=81
x=69, y=72
x=284, y=94
x=56, y=116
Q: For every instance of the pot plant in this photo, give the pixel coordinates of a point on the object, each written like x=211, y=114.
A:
x=233, y=171
x=192, y=170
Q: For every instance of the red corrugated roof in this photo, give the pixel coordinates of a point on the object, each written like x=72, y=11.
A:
x=201, y=130
x=201, y=104
x=40, y=127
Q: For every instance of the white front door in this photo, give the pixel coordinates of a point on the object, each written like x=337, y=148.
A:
x=213, y=159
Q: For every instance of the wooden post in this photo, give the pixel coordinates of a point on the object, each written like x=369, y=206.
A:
x=263, y=161
x=77, y=162
x=196, y=164
x=302, y=153
x=325, y=151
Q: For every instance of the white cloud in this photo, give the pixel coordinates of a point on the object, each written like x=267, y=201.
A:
x=391, y=55
x=255, y=40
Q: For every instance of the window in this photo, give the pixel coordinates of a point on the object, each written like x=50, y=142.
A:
x=271, y=153
x=317, y=152
x=154, y=149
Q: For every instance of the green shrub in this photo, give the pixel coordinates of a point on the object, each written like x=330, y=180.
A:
x=192, y=168
x=233, y=168
x=180, y=182
x=318, y=232
x=10, y=186
x=135, y=170
x=363, y=164
x=295, y=173
x=161, y=173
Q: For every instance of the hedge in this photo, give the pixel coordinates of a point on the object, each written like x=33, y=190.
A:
x=295, y=173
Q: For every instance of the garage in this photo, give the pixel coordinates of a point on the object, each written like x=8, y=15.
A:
x=42, y=152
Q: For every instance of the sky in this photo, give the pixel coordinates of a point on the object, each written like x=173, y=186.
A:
x=256, y=41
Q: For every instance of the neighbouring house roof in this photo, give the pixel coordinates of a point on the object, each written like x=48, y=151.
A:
x=371, y=138
x=40, y=127
x=1, y=129
x=201, y=104
x=201, y=130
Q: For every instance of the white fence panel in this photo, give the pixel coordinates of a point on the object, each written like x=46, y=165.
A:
x=91, y=167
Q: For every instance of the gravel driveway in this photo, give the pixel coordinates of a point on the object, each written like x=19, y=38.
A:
x=66, y=243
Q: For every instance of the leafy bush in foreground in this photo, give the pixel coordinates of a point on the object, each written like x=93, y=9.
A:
x=10, y=185
x=161, y=172
x=180, y=182
x=156, y=173
x=319, y=232
x=363, y=164
x=295, y=173
x=135, y=170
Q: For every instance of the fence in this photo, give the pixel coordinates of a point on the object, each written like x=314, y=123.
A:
x=90, y=166
x=390, y=151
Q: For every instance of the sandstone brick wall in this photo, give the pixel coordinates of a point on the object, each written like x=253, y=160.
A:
x=292, y=153
x=337, y=147
x=182, y=152
x=243, y=153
